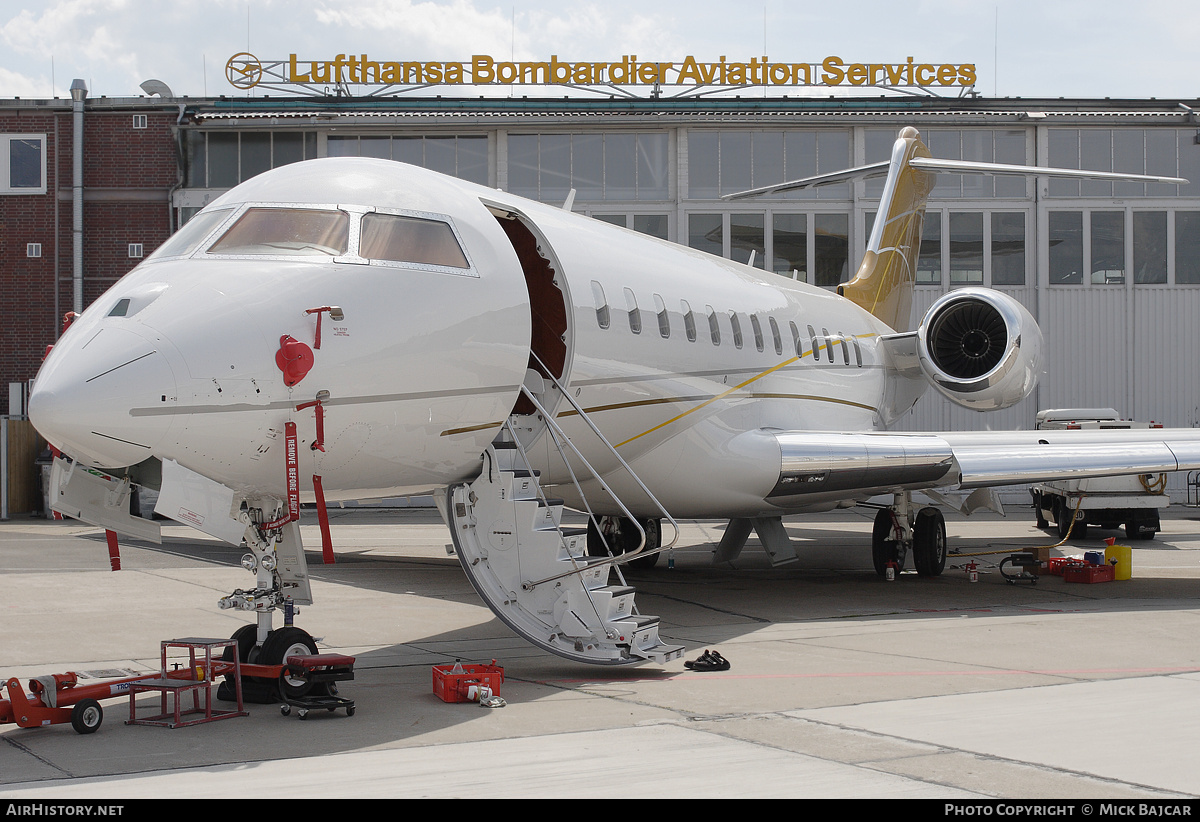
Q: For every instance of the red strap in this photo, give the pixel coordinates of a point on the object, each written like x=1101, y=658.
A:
x=114, y=551
x=323, y=519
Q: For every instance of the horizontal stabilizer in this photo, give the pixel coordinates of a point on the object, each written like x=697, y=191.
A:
x=857, y=173
x=973, y=167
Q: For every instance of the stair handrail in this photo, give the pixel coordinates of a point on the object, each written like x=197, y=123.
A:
x=555, y=431
x=620, y=559
x=612, y=449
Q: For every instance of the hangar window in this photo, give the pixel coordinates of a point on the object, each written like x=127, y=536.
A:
x=789, y=257
x=833, y=252
x=1187, y=247
x=599, y=166
x=462, y=157
x=22, y=164
x=401, y=239
x=286, y=232
x=727, y=161
x=1158, y=151
x=747, y=239
x=222, y=159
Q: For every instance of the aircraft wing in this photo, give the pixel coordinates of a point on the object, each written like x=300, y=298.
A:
x=829, y=462
x=1016, y=457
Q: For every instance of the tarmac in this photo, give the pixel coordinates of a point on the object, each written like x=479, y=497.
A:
x=841, y=685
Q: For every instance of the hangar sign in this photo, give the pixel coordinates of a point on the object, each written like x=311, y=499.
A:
x=245, y=71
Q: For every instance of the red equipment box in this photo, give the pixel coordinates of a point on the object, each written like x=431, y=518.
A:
x=452, y=683
x=1089, y=573
x=1057, y=565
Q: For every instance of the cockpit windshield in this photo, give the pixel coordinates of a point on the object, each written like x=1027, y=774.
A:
x=286, y=232
x=400, y=239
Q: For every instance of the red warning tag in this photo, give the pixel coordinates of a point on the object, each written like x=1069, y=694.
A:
x=293, y=471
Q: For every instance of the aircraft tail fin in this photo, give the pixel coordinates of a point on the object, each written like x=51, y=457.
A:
x=884, y=282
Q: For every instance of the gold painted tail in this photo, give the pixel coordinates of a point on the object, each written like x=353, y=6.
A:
x=884, y=282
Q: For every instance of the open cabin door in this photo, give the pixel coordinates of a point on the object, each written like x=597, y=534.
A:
x=549, y=305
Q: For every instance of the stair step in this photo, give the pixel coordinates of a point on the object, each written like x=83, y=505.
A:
x=537, y=576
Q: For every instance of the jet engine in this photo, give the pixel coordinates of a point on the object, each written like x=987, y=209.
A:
x=980, y=348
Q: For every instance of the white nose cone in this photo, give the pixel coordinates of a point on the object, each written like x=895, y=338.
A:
x=96, y=400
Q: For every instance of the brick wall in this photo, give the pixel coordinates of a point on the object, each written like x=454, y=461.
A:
x=128, y=174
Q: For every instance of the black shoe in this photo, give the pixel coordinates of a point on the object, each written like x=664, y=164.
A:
x=704, y=658
x=711, y=661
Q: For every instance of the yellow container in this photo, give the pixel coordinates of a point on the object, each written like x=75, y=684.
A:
x=1123, y=556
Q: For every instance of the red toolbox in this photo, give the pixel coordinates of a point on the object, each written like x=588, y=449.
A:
x=452, y=683
x=1089, y=573
x=1057, y=565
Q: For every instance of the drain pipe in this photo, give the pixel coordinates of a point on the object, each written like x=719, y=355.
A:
x=78, y=95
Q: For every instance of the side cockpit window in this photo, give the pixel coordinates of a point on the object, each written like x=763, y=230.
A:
x=286, y=232
x=400, y=239
x=187, y=239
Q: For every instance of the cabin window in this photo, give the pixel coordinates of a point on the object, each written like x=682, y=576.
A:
x=775, y=338
x=635, y=316
x=812, y=338
x=714, y=327
x=841, y=338
x=304, y=232
x=758, y=335
x=602, y=318
x=410, y=240
x=689, y=320
x=857, y=351
x=828, y=343
x=737, y=329
x=664, y=321
x=796, y=339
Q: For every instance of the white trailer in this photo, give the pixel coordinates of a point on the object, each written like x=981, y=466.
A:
x=1132, y=501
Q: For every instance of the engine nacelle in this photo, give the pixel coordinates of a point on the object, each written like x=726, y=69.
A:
x=980, y=348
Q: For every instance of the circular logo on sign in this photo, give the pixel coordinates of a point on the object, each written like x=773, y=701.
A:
x=243, y=70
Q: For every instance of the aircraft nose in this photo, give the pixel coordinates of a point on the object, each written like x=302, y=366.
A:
x=87, y=397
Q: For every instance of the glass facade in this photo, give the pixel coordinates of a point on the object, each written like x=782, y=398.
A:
x=669, y=183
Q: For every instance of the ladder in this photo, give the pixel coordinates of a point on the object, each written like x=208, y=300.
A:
x=536, y=575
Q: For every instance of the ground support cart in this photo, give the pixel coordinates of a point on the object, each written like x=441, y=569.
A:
x=308, y=684
x=1132, y=501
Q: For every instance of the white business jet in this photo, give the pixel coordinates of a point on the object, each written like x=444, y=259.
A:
x=352, y=328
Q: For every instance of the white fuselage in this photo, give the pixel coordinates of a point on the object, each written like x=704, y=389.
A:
x=427, y=362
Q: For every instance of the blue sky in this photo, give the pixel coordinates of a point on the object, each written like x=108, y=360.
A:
x=1022, y=48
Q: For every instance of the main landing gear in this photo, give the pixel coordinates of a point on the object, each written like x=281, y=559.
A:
x=621, y=536
x=897, y=530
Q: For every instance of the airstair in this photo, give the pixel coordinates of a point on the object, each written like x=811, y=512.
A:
x=537, y=575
